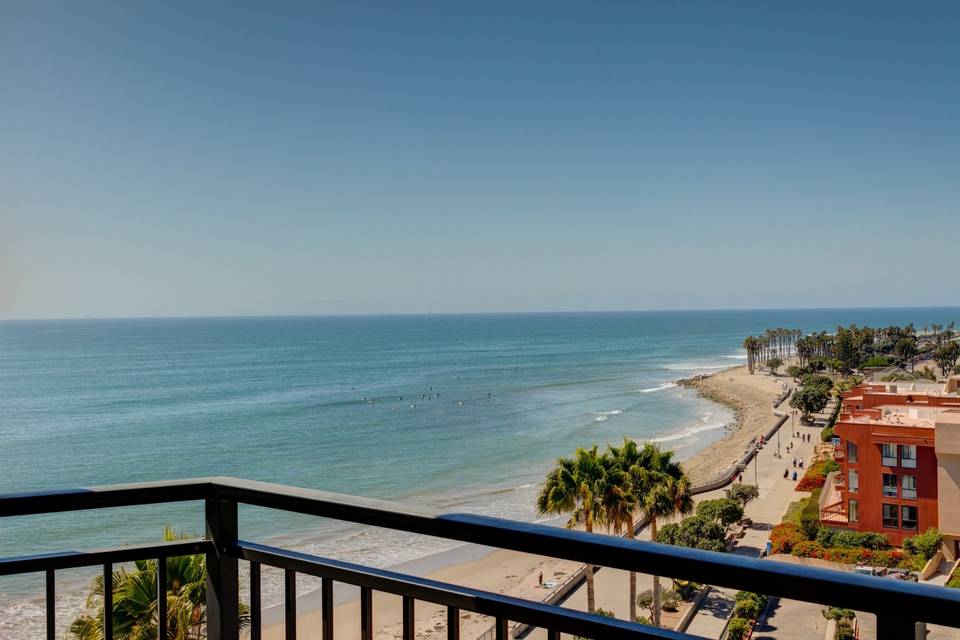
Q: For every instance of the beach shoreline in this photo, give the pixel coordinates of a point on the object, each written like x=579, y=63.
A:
x=749, y=396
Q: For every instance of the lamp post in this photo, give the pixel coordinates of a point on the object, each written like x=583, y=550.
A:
x=756, y=470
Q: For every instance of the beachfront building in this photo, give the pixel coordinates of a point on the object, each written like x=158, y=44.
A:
x=898, y=445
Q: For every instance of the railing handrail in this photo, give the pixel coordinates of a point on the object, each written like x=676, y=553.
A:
x=483, y=602
x=812, y=584
x=93, y=557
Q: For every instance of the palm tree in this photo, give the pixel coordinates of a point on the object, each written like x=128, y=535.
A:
x=664, y=492
x=577, y=486
x=621, y=501
x=135, y=601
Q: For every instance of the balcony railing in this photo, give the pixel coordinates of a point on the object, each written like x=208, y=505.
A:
x=897, y=605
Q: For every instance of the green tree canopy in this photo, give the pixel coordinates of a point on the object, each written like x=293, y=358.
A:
x=723, y=510
x=743, y=493
x=696, y=532
x=809, y=400
x=577, y=486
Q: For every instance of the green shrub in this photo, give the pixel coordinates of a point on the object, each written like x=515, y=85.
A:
x=749, y=605
x=796, y=372
x=825, y=537
x=685, y=589
x=810, y=523
x=954, y=581
x=837, y=613
x=924, y=544
x=669, y=601
x=826, y=434
x=876, y=361
x=866, y=540
x=773, y=364
x=844, y=630
x=737, y=629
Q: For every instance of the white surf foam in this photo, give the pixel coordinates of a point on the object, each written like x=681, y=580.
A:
x=665, y=385
x=707, y=423
x=693, y=366
x=602, y=416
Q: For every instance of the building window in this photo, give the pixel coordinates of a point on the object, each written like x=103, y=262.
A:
x=909, y=518
x=851, y=451
x=908, y=456
x=908, y=487
x=889, y=455
x=890, y=516
x=889, y=485
x=853, y=480
x=854, y=513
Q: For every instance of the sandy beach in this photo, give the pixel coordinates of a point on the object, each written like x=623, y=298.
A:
x=751, y=397
x=516, y=574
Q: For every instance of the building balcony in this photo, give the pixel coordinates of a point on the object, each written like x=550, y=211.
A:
x=899, y=606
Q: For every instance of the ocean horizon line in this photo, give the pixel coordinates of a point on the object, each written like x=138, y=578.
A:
x=454, y=314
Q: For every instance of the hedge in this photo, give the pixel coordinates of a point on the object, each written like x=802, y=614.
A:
x=893, y=558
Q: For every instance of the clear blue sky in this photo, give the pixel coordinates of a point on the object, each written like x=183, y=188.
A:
x=206, y=158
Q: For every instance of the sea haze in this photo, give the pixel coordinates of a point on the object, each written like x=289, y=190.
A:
x=461, y=413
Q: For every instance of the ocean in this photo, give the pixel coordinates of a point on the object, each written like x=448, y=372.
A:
x=456, y=412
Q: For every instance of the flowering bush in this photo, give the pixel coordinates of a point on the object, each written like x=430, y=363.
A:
x=784, y=536
x=807, y=549
x=809, y=481
x=893, y=558
x=816, y=474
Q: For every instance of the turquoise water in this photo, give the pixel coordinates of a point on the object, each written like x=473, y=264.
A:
x=456, y=412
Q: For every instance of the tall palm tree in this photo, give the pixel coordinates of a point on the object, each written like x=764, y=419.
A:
x=135, y=601
x=664, y=492
x=576, y=486
x=621, y=501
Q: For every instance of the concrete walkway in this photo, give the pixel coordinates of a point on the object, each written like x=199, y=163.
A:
x=776, y=494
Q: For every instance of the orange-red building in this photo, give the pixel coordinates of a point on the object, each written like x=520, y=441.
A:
x=899, y=466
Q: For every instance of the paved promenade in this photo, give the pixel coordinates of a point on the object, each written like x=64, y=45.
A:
x=776, y=493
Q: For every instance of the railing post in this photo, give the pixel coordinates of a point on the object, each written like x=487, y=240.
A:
x=223, y=582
